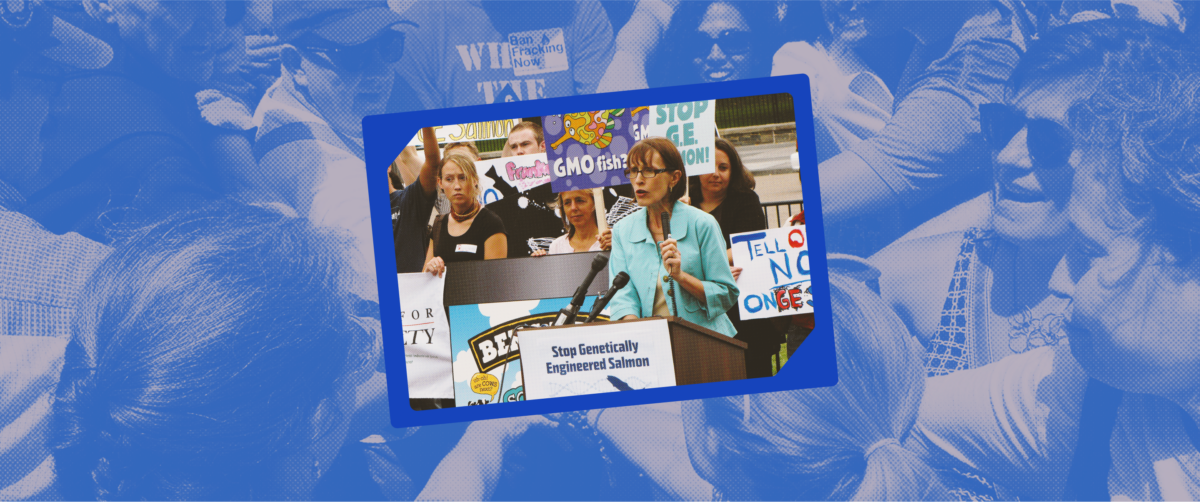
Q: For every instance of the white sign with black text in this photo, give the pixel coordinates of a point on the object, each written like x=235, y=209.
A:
x=426, y=336
x=597, y=358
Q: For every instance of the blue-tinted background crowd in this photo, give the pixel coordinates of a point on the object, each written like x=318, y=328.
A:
x=188, y=307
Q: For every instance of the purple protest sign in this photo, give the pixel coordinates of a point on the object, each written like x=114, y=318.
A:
x=588, y=149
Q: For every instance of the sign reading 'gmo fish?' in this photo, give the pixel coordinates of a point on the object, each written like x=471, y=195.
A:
x=589, y=149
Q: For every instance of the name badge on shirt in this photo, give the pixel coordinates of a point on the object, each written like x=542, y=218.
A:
x=466, y=248
x=538, y=51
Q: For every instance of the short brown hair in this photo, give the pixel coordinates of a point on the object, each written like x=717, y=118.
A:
x=642, y=154
x=532, y=126
x=469, y=145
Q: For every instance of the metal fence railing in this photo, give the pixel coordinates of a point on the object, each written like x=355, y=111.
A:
x=755, y=110
x=779, y=213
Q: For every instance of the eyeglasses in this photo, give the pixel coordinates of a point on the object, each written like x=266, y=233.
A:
x=731, y=43
x=389, y=47
x=645, y=172
x=1049, y=143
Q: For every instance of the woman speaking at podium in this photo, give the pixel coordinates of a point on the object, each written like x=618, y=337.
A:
x=683, y=272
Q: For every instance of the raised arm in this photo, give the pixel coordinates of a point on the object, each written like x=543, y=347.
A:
x=636, y=40
x=433, y=157
x=850, y=188
x=919, y=153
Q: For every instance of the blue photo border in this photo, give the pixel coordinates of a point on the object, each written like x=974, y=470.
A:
x=813, y=364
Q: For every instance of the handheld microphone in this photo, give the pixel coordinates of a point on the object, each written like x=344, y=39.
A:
x=618, y=282
x=666, y=229
x=568, y=313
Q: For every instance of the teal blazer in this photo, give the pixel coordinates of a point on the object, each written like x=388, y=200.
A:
x=702, y=247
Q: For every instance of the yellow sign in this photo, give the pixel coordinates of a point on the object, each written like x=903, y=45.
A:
x=474, y=131
x=485, y=383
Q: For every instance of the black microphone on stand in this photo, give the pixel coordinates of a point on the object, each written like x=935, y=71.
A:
x=666, y=228
x=618, y=282
x=568, y=313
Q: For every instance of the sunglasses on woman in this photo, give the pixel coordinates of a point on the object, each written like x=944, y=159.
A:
x=1049, y=143
x=388, y=47
x=732, y=43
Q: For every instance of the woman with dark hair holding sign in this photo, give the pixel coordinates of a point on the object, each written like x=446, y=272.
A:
x=682, y=271
x=728, y=195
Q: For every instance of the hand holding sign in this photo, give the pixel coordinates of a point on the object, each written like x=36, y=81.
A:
x=436, y=266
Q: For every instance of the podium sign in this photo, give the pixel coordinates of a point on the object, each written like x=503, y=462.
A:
x=597, y=358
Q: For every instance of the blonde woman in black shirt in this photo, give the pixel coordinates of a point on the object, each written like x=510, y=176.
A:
x=469, y=231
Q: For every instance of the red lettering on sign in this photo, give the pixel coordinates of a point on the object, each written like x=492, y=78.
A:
x=789, y=299
x=795, y=298
x=781, y=299
x=796, y=238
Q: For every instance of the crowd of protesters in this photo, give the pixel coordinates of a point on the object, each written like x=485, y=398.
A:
x=190, y=303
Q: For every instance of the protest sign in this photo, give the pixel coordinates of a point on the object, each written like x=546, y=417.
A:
x=775, y=278
x=588, y=149
x=521, y=172
x=692, y=127
x=487, y=351
x=538, y=51
x=426, y=336
x=473, y=131
x=596, y=358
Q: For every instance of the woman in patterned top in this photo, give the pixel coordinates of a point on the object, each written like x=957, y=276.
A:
x=998, y=302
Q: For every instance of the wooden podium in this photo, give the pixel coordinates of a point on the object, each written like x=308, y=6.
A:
x=697, y=354
x=702, y=355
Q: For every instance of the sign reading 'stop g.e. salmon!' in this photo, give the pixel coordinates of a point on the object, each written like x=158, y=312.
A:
x=692, y=126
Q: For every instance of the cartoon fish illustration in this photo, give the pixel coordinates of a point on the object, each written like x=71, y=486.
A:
x=589, y=128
